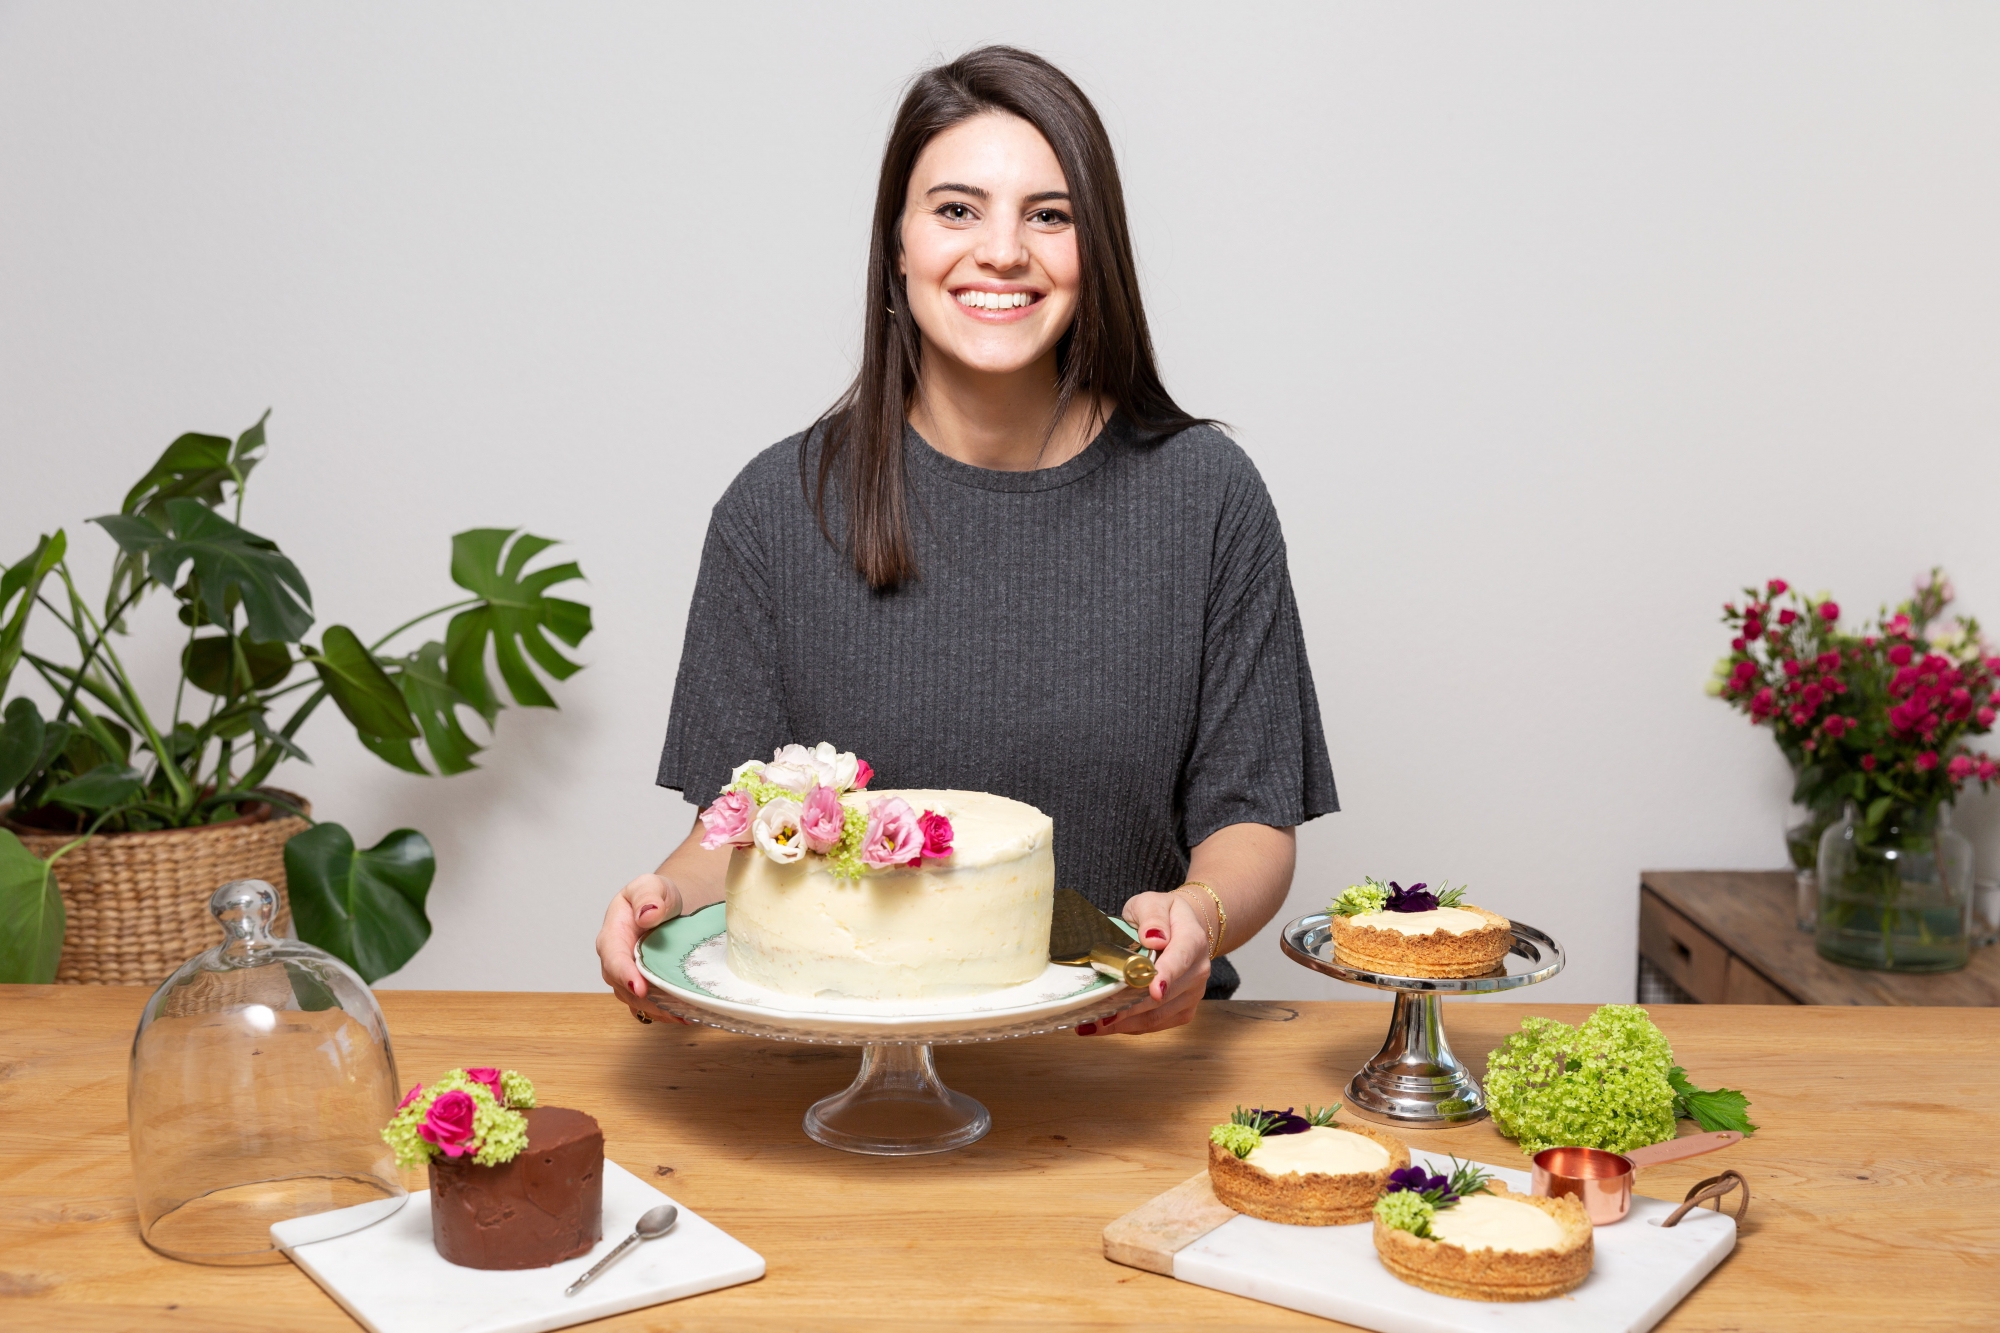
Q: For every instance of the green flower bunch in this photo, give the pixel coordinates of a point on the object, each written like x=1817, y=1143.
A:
x=1239, y=1139
x=1408, y=1211
x=1370, y=896
x=459, y=1115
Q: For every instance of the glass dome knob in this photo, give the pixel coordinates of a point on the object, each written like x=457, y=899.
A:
x=246, y=909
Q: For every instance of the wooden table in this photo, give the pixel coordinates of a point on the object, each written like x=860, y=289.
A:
x=1874, y=1174
x=1732, y=937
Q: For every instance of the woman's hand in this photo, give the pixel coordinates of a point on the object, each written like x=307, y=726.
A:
x=1168, y=923
x=639, y=906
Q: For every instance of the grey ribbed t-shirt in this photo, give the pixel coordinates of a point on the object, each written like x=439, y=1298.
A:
x=1113, y=640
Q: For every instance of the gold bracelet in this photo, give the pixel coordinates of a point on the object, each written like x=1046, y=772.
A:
x=1221, y=916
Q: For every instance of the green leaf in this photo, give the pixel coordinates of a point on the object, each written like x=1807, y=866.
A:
x=360, y=687
x=210, y=662
x=516, y=614
x=364, y=907
x=227, y=560
x=21, y=736
x=434, y=702
x=194, y=467
x=103, y=787
x=1721, y=1109
x=31, y=915
x=19, y=584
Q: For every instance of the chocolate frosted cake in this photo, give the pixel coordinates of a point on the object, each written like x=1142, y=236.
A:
x=545, y=1206
x=513, y=1184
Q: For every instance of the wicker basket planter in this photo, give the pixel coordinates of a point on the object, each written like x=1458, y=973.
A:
x=138, y=902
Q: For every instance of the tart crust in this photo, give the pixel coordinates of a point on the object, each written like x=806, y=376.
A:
x=1436, y=953
x=1494, y=1275
x=1307, y=1199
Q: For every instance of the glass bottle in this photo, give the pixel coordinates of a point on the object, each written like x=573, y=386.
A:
x=1895, y=895
x=261, y=1078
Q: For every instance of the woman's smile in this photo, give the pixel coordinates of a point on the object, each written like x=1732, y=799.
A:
x=996, y=304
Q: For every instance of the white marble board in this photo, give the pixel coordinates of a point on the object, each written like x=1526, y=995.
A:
x=390, y=1277
x=1641, y=1271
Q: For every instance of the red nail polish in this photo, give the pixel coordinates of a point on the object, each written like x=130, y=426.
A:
x=634, y=985
x=1156, y=934
x=1086, y=1029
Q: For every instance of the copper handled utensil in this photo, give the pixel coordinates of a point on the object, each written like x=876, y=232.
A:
x=1080, y=933
x=1602, y=1181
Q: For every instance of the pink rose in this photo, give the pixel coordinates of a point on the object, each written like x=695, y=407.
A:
x=410, y=1096
x=1926, y=761
x=937, y=833
x=728, y=821
x=1776, y=586
x=894, y=837
x=824, y=819
x=1829, y=611
x=1961, y=767
x=864, y=772
x=490, y=1076
x=449, y=1123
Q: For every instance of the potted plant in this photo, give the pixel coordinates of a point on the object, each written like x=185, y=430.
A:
x=1876, y=725
x=126, y=814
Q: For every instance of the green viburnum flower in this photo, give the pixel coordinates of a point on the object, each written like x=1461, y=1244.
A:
x=843, y=859
x=498, y=1133
x=1406, y=1211
x=1367, y=897
x=759, y=790
x=1239, y=1139
x=1601, y=1085
x=520, y=1092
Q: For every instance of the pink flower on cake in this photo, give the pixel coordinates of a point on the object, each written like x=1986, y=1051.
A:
x=894, y=836
x=937, y=833
x=728, y=821
x=823, y=820
x=491, y=1078
x=448, y=1124
x=864, y=773
x=410, y=1096
x=777, y=832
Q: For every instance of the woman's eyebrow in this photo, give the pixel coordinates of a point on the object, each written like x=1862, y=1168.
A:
x=972, y=190
x=1046, y=195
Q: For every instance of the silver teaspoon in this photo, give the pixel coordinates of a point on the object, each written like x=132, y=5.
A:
x=650, y=1227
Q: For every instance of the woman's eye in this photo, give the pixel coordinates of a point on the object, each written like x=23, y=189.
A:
x=1048, y=217
x=955, y=213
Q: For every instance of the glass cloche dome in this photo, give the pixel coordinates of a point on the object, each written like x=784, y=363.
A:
x=261, y=1078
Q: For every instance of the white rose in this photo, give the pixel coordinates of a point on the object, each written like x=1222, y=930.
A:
x=791, y=767
x=776, y=831
x=837, y=768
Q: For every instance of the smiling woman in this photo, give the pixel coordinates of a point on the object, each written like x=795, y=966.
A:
x=1007, y=561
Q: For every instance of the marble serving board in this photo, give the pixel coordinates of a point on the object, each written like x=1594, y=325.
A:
x=390, y=1277
x=1641, y=1270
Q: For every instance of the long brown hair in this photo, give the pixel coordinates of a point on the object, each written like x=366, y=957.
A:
x=1106, y=351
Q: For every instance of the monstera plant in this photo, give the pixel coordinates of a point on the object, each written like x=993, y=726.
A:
x=102, y=760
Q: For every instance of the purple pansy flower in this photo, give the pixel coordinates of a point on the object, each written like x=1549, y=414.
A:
x=1416, y=898
x=1280, y=1122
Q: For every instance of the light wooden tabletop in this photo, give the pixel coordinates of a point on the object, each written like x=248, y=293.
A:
x=1874, y=1171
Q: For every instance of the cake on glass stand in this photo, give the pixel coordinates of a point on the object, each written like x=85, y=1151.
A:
x=1414, y=1081
x=897, y=1105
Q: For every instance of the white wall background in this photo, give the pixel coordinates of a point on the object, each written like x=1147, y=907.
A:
x=1549, y=325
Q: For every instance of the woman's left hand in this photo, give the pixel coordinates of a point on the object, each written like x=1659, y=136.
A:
x=1167, y=923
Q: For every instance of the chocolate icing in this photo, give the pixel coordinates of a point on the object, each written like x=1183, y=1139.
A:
x=545, y=1206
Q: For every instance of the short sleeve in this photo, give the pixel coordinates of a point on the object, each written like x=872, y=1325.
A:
x=727, y=703
x=1259, y=754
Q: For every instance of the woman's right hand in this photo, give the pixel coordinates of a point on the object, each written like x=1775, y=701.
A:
x=639, y=906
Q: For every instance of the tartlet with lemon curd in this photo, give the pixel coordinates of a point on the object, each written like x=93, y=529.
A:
x=1415, y=932
x=1475, y=1239
x=1301, y=1169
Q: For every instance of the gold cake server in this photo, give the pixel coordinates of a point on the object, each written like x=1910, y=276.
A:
x=1080, y=933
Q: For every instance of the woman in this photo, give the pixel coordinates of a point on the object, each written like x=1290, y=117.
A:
x=1007, y=561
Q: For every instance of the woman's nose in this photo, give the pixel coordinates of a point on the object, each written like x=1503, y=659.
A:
x=1002, y=245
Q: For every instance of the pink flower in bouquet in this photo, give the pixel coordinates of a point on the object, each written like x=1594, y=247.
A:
x=1829, y=611
x=490, y=1076
x=1777, y=587
x=1900, y=654
x=824, y=819
x=1897, y=625
x=894, y=837
x=1793, y=668
x=728, y=821
x=448, y=1124
x=1985, y=716
x=1763, y=703
x=1961, y=767
x=1988, y=770
x=1926, y=761
x=410, y=1096
x=864, y=773
x=1787, y=616
x=937, y=834
x=1753, y=627
x=1868, y=762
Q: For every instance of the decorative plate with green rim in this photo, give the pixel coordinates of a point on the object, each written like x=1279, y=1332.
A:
x=683, y=961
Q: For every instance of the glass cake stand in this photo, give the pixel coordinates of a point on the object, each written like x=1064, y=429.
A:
x=897, y=1105
x=1414, y=1081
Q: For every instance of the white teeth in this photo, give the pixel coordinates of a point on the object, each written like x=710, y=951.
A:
x=978, y=300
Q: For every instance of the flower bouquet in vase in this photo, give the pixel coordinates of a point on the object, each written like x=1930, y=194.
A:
x=1876, y=727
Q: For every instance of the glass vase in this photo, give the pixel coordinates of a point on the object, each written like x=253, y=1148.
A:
x=1803, y=830
x=1897, y=898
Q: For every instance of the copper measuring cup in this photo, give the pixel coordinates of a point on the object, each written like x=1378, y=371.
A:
x=1602, y=1181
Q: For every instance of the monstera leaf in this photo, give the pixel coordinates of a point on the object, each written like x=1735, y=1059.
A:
x=19, y=584
x=194, y=467
x=362, y=689
x=225, y=664
x=434, y=703
x=21, y=734
x=226, y=559
x=515, y=613
x=31, y=915
x=366, y=908
x=104, y=786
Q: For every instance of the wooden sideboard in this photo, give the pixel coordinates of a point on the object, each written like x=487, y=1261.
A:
x=1730, y=937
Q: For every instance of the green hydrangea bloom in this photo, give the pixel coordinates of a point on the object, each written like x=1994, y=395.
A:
x=1601, y=1085
x=843, y=859
x=498, y=1133
x=759, y=790
x=1406, y=1211
x=1239, y=1139
x=520, y=1092
x=1359, y=898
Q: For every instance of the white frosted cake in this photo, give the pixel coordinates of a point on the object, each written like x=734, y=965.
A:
x=872, y=900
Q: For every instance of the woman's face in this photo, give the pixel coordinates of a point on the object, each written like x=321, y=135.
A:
x=989, y=250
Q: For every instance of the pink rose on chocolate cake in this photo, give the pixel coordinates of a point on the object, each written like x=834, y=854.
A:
x=513, y=1184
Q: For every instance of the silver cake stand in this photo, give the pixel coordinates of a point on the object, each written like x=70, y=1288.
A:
x=1414, y=1081
x=897, y=1106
